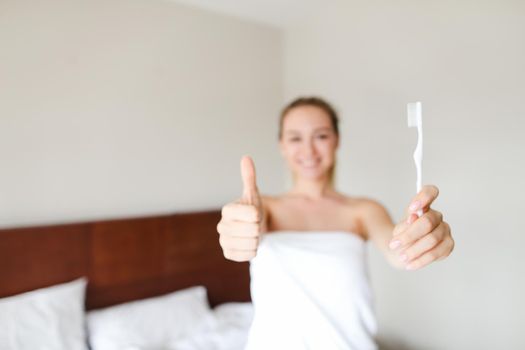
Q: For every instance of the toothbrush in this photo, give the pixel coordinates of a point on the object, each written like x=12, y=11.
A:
x=415, y=121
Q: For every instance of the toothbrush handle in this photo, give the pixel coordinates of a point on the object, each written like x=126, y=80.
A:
x=418, y=184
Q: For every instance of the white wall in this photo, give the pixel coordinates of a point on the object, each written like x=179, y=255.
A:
x=465, y=61
x=114, y=108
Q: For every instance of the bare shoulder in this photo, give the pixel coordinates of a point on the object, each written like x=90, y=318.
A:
x=372, y=215
x=364, y=206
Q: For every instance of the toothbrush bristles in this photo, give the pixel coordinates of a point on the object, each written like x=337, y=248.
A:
x=414, y=114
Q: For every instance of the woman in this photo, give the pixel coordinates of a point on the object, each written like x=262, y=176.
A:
x=325, y=231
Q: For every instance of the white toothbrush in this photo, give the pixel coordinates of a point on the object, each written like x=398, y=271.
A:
x=415, y=120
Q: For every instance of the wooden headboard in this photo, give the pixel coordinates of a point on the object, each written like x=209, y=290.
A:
x=124, y=260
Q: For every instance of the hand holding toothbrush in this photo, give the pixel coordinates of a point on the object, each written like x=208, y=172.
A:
x=420, y=240
x=243, y=220
x=424, y=237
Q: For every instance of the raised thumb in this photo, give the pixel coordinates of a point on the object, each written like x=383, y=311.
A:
x=250, y=194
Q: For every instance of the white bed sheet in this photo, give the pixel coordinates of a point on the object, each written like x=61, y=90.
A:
x=227, y=329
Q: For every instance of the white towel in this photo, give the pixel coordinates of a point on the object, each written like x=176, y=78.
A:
x=310, y=290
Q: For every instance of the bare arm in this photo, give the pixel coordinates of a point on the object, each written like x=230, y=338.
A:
x=266, y=213
x=379, y=227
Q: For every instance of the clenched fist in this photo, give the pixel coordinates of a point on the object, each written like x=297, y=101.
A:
x=242, y=221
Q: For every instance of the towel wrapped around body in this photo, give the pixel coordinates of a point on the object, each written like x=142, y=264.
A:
x=310, y=290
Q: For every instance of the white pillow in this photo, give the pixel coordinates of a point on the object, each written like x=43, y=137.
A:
x=45, y=319
x=149, y=323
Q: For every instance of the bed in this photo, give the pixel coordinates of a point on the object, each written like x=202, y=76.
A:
x=124, y=260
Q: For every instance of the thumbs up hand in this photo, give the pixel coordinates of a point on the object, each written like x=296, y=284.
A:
x=243, y=220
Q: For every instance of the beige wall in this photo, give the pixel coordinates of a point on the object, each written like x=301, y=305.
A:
x=129, y=107
x=465, y=61
x=115, y=108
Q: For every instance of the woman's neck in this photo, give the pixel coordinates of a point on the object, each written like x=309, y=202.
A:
x=314, y=189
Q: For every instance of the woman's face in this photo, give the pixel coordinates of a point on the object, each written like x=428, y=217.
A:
x=308, y=142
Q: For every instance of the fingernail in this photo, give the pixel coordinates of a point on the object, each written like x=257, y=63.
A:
x=394, y=244
x=415, y=205
x=403, y=258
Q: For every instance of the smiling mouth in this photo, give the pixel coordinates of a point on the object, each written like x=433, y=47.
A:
x=309, y=163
